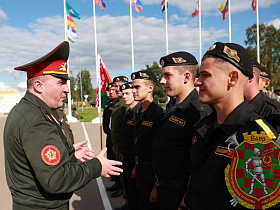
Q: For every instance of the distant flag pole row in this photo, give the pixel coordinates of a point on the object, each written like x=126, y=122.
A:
x=225, y=8
x=164, y=5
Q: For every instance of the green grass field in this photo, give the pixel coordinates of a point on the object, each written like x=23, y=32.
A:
x=88, y=114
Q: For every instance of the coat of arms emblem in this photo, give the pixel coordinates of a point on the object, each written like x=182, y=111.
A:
x=253, y=176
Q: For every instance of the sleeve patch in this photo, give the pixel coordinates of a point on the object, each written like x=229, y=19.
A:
x=50, y=155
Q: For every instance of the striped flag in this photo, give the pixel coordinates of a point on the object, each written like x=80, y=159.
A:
x=163, y=5
x=224, y=8
x=71, y=29
x=137, y=5
x=101, y=3
x=196, y=12
x=70, y=11
x=254, y=5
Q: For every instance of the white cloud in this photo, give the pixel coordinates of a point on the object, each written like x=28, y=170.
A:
x=5, y=87
x=3, y=17
x=275, y=23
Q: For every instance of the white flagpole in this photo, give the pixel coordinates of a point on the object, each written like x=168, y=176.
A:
x=258, y=32
x=69, y=116
x=96, y=52
x=229, y=21
x=166, y=27
x=200, y=42
x=131, y=32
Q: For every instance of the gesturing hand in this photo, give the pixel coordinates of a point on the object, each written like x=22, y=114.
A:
x=82, y=152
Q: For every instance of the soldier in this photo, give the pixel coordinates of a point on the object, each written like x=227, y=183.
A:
x=263, y=105
x=172, y=143
x=149, y=115
x=118, y=112
x=41, y=169
x=224, y=72
x=265, y=77
x=126, y=146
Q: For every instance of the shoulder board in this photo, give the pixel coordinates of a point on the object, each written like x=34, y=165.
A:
x=47, y=115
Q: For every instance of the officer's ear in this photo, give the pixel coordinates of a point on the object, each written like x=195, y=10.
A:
x=233, y=78
x=37, y=85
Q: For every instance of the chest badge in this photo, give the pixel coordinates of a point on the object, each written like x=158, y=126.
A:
x=177, y=120
x=253, y=176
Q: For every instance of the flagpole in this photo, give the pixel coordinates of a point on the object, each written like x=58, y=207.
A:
x=258, y=32
x=200, y=42
x=229, y=21
x=166, y=27
x=131, y=36
x=70, y=118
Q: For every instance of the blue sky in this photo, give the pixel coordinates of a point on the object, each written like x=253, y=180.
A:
x=29, y=29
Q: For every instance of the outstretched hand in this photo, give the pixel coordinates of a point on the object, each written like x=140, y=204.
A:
x=108, y=166
x=82, y=152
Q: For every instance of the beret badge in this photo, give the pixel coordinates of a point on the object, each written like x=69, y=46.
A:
x=179, y=60
x=231, y=53
x=212, y=47
x=162, y=62
x=133, y=76
x=143, y=74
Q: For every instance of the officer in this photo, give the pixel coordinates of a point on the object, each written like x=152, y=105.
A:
x=118, y=112
x=148, y=118
x=263, y=105
x=126, y=146
x=41, y=169
x=224, y=72
x=172, y=143
x=265, y=78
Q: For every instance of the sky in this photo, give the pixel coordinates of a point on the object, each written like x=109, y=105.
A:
x=30, y=29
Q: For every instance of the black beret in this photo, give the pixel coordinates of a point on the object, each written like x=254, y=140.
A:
x=178, y=59
x=125, y=86
x=234, y=54
x=144, y=74
x=120, y=79
x=256, y=64
x=108, y=85
x=265, y=73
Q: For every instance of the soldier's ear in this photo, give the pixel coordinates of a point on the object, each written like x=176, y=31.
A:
x=187, y=76
x=233, y=78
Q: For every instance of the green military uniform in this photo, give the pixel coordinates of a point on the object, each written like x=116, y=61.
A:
x=67, y=130
x=41, y=168
x=116, y=122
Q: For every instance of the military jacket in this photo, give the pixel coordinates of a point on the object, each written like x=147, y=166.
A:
x=41, y=168
x=145, y=130
x=118, y=112
x=267, y=108
x=172, y=143
x=129, y=122
x=209, y=154
x=107, y=116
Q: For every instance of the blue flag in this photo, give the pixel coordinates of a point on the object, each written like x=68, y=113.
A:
x=70, y=11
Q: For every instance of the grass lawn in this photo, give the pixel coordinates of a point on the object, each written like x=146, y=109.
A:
x=88, y=114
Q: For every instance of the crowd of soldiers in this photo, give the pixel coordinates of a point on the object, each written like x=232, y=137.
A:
x=174, y=158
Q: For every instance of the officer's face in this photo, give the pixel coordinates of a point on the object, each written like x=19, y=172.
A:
x=117, y=88
x=212, y=82
x=173, y=81
x=141, y=89
x=128, y=96
x=54, y=91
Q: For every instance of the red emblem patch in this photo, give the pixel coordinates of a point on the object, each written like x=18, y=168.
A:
x=50, y=155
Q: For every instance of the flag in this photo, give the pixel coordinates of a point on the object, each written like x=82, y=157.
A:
x=267, y=159
x=70, y=11
x=71, y=29
x=103, y=77
x=163, y=5
x=254, y=5
x=101, y=3
x=196, y=10
x=224, y=8
x=137, y=5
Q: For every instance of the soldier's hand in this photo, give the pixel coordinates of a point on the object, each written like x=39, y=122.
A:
x=108, y=166
x=82, y=152
x=133, y=173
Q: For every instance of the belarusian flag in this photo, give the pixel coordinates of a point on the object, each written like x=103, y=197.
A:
x=103, y=77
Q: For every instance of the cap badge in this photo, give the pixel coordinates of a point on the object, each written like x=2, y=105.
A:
x=62, y=67
x=123, y=87
x=231, y=53
x=133, y=76
x=179, y=60
x=264, y=74
x=143, y=74
x=212, y=47
x=130, y=85
x=162, y=63
x=117, y=79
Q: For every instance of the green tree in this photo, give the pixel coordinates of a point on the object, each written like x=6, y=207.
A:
x=269, y=49
x=159, y=94
x=86, y=85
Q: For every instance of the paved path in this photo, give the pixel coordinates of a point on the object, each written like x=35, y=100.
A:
x=91, y=197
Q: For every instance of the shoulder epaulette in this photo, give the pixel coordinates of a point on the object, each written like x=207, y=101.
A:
x=47, y=115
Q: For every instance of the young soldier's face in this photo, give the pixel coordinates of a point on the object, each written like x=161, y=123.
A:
x=141, y=89
x=117, y=88
x=112, y=93
x=172, y=80
x=128, y=96
x=54, y=91
x=212, y=82
x=263, y=83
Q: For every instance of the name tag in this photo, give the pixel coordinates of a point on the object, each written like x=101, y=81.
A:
x=147, y=123
x=177, y=121
x=130, y=122
x=222, y=151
